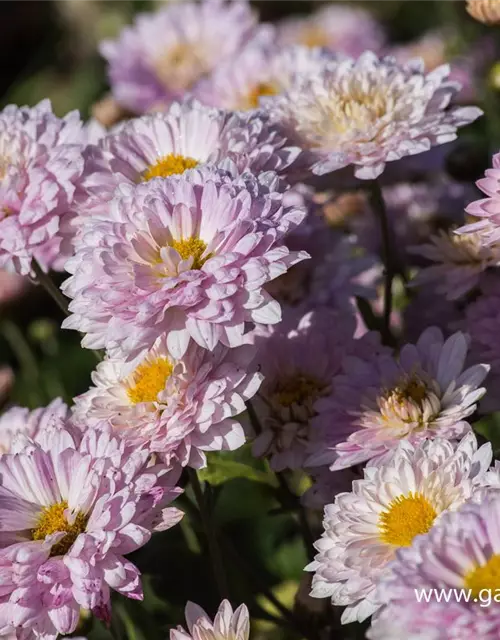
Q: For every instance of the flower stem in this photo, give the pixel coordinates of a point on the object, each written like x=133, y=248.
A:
x=213, y=544
x=378, y=205
x=42, y=278
x=295, y=503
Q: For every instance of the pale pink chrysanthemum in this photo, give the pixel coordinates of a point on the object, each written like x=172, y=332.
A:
x=299, y=360
x=425, y=391
x=40, y=166
x=188, y=135
x=82, y=505
x=227, y=625
x=20, y=420
x=487, y=209
x=163, y=56
x=258, y=73
x=459, y=260
x=395, y=501
x=178, y=408
x=460, y=553
x=370, y=111
x=186, y=256
x=338, y=27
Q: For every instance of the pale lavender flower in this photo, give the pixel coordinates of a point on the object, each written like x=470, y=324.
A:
x=378, y=401
x=20, y=420
x=82, y=505
x=338, y=27
x=399, y=499
x=460, y=552
x=186, y=256
x=459, y=260
x=179, y=409
x=163, y=56
x=40, y=166
x=299, y=360
x=227, y=625
x=370, y=111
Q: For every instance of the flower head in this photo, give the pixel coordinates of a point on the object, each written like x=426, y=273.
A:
x=40, y=166
x=177, y=408
x=20, y=420
x=460, y=552
x=393, y=503
x=163, y=56
x=186, y=256
x=186, y=136
x=370, y=111
x=340, y=28
x=459, y=262
x=424, y=392
x=227, y=625
x=259, y=73
x=83, y=504
x=486, y=209
x=299, y=360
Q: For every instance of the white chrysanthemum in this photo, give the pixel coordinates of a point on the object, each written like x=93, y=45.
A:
x=397, y=500
x=227, y=625
x=459, y=261
x=177, y=408
x=370, y=111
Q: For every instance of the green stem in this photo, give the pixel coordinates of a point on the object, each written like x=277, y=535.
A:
x=46, y=282
x=378, y=205
x=295, y=503
x=213, y=544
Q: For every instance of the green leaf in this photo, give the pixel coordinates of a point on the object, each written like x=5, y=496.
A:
x=220, y=469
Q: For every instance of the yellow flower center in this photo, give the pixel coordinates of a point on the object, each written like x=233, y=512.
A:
x=180, y=66
x=148, y=380
x=407, y=517
x=297, y=389
x=253, y=98
x=484, y=577
x=52, y=520
x=412, y=388
x=191, y=248
x=168, y=166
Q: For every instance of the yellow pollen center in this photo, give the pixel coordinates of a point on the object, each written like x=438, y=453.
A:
x=52, y=520
x=409, y=389
x=297, y=389
x=484, y=577
x=180, y=66
x=407, y=517
x=260, y=90
x=148, y=380
x=191, y=248
x=168, y=166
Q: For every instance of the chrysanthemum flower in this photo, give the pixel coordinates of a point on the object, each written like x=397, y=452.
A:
x=340, y=28
x=370, y=111
x=178, y=408
x=485, y=11
x=80, y=507
x=460, y=552
x=487, y=209
x=40, y=165
x=186, y=256
x=19, y=420
x=378, y=401
x=459, y=262
x=165, y=54
x=259, y=73
x=188, y=135
x=299, y=360
x=227, y=625
x=395, y=502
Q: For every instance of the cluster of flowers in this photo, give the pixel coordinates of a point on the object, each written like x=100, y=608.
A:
x=212, y=274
